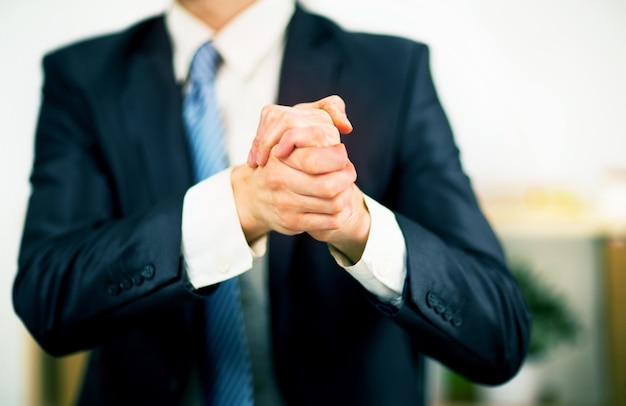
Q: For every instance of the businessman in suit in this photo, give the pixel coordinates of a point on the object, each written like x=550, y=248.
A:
x=361, y=279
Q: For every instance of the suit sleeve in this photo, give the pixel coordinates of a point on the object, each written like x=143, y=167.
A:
x=462, y=305
x=85, y=271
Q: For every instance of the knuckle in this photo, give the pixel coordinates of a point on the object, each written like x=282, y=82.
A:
x=289, y=136
x=287, y=118
x=273, y=180
x=335, y=99
x=267, y=111
x=292, y=221
x=334, y=222
x=273, y=109
x=327, y=188
x=335, y=102
x=337, y=204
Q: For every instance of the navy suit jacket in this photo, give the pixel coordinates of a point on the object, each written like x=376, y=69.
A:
x=100, y=261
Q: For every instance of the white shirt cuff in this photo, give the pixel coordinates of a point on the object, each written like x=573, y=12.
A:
x=214, y=246
x=382, y=267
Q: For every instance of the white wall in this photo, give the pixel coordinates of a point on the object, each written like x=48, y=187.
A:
x=535, y=91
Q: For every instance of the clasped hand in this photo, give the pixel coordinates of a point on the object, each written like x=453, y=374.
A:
x=299, y=178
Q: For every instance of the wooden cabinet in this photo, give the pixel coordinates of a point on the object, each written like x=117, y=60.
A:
x=54, y=381
x=615, y=287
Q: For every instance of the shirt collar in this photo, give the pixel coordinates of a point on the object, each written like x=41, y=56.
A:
x=242, y=43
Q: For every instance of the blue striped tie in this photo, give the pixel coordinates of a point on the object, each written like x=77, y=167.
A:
x=228, y=366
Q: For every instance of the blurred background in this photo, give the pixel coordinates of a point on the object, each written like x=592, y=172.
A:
x=536, y=94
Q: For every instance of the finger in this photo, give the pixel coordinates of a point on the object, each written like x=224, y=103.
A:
x=329, y=185
x=273, y=118
x=287, y=203
x=276, y=120
x=317, y=160
x=316, y=222
x=311, y=136
x=336, y=109
x=324, y=186
x=311, y=223
x=297, y=213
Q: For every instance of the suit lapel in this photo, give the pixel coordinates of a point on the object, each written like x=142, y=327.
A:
x=311, y=64
x=151, y=108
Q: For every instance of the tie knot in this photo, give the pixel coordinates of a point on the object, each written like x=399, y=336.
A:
x=204, y=64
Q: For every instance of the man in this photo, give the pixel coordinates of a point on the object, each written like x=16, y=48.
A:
x=122, y=249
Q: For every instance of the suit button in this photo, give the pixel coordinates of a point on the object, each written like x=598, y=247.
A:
x=457, y=320
x=148, y=272
x=125, y=283
x=137, y=279
x=431, y=300
x=223, y=266
x=114, y=289
x=447, y=314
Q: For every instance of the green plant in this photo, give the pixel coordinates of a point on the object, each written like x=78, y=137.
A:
x=553, y=320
